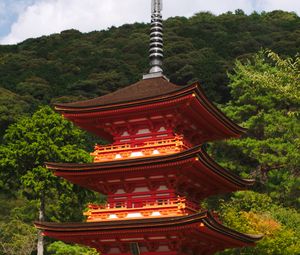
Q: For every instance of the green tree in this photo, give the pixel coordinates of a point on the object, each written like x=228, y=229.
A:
x=29, y=143
x=17, y=238
x=36, y=87
x=12, y=107
x=60, y=248
x=255, y=213
x=265, y=93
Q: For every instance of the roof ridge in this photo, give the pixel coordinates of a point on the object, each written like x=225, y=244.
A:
x=139, y=90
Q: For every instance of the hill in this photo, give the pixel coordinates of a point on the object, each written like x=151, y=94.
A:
x=73, y=65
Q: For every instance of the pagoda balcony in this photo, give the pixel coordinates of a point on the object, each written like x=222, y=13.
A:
x=146, y=209
x=144, y=149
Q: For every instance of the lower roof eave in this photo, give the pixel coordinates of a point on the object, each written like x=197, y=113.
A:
x=204, y=218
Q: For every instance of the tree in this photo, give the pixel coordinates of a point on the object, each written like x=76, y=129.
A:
x=29, y=143
x=17, y=238
x=12, y=107
x=60, y=248
x=265, y=92
x=36, y=87
x=256, y=213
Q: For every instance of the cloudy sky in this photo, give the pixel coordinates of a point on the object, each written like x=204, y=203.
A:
x=22, y=19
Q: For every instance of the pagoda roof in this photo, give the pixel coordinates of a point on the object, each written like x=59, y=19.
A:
x=192, y=161
x=152, y=95
x=203, y=224
x=143, y=89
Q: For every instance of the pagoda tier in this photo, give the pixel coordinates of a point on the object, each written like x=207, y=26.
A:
x=191, y=173
x=194, y=234
x=155, y=106
x=157, y=186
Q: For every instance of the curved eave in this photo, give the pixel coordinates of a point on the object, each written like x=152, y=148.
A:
x=103, y=227
x=66, y=169
x=191, y=91
x=214, y=225
x=216, y=112
x=65, y=108
x=225, y=173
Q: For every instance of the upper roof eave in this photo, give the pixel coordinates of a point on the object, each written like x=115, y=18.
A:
x=215, y=110
x=181, y=91
x=197, y=151
x=101, y=103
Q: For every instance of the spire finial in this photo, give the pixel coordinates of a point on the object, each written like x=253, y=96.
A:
x=156, y=52
x=156, y=6
x=156, y=37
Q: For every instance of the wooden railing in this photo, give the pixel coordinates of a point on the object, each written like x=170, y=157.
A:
x=146, y=149
x=166, y=207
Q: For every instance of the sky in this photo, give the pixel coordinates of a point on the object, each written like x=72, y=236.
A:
x=23, y=19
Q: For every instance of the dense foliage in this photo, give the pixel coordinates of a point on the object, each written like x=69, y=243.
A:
x=26, y=146
x=254, y=213
x=72, y=65
x=262, y=95
x=265, y=99
x=60, y=248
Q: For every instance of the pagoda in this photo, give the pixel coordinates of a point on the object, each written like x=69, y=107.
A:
x=155, y=172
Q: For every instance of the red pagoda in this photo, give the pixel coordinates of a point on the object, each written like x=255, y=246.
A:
x=155, y=172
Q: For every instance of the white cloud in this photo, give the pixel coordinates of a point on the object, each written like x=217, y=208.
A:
x=51, y=16
x=286, y=5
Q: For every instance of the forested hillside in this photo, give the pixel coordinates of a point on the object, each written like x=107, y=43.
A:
x=257, y=88
x=71, y=65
